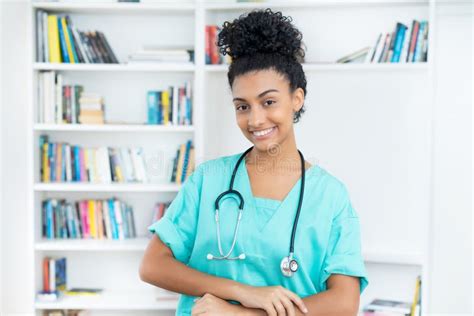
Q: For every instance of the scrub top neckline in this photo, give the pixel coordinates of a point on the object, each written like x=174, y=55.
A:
x=256, y=201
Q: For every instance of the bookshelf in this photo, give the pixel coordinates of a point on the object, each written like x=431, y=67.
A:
x=384, y=91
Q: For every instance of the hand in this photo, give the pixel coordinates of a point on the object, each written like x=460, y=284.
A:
x=275, y=300
x=212, y=305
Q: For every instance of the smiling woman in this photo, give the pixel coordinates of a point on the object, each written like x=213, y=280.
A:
x=275, y=199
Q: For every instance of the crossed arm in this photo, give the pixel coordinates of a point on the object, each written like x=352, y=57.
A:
x=340, y=299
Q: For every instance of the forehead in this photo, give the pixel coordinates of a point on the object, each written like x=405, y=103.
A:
x=253, y=83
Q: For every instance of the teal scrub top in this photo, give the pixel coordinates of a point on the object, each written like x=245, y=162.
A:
x=327, y=238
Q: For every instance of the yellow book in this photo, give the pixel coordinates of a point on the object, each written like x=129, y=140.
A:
x=46, y=171
x=416, y=297
x=68, y=41
x=53, y=40
x=92, y=219
x=165, y=102
x=100, y=226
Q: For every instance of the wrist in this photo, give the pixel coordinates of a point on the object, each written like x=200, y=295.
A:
x=238, y=291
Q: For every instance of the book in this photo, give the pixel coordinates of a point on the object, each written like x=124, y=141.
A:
x=358, y=55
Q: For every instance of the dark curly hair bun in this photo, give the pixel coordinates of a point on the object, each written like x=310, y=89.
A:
x=261, y=32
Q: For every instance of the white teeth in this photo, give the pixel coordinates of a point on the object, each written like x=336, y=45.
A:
x=264, y=132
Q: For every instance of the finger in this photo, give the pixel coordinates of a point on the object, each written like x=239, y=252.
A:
x=279, y=307
x=270, y=309
x=288, y=304
x=297, y=300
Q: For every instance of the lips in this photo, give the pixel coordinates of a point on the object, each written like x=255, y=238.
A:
x=263, y=133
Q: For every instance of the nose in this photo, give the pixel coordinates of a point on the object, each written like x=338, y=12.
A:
x=256, y=116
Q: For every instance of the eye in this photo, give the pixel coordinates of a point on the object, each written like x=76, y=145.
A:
x=242, y=107
x=269, y=102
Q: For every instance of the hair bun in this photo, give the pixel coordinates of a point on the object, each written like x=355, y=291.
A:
x=261, y=31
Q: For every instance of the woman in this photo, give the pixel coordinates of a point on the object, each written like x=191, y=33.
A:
x=250, y=262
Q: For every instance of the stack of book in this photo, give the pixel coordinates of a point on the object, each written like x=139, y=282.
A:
x=183, y=163
x=62, y=162
x=381, y=307
x=96, y=219
x=150, y=54
x=58, y=41
x=54, y=279
x=403, y=45
x=91, y=109
x=170, y=107
x=213, y=55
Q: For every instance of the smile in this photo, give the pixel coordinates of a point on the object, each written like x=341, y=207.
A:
x=263, y=133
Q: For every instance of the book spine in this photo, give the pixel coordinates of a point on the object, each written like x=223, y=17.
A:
x=398, y=42
x=53, y=40
x=62, y=40
x=110, y=52
x=419, y=42
x=413, y=38
x=67, y=40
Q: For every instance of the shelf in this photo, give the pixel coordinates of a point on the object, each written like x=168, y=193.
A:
x=115, y=7
x=278, y=4
x=118, y=128
x=115, y=300
x=134, y=244
x=137, y=67
x=112, y=187
x=342, y=67
x=139, y=244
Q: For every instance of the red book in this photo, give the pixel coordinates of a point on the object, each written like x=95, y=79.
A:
x=413, y=38
x=213, y=48
x=46, y=274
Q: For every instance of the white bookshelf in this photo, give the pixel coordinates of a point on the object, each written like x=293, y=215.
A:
x=389, y=260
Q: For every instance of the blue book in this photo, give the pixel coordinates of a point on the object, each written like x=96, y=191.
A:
x=113, y=221
x=52, y=165
x=186, y=160
x=123, y=209
x=152, y=106
x=63, y=167
x=62, y=41
x=73, y=47
x=49, y=220
x=401, y=29
x=77, y=164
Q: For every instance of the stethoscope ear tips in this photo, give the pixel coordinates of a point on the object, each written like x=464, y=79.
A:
x=242, y=256
x=209, y=256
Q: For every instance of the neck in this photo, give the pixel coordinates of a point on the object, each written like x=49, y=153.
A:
x=280, y=158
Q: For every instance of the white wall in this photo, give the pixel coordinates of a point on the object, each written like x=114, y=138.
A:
x=451, y=291
x=16, y=274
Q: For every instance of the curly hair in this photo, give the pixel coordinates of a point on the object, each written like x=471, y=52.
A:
x=263, y=39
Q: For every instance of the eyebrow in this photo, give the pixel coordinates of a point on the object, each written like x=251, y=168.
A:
x=259, y=96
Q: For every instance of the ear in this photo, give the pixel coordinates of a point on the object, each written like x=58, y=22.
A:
x=298, y=99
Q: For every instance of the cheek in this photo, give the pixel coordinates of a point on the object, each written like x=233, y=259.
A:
x=241, y=121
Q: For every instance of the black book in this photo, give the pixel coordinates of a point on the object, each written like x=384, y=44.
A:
x=85, y=39
x=107, y=47
x=100, y=48
x=94, y=47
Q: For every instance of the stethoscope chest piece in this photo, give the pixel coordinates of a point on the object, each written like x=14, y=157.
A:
x=288, y=266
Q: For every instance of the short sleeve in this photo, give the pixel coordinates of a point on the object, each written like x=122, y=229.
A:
x=177, y=228
x=343, y=254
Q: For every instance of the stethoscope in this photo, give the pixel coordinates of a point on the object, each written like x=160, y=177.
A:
x=288, y=264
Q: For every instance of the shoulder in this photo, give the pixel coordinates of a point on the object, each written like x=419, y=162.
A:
x=217, y=166
x=330, y=188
